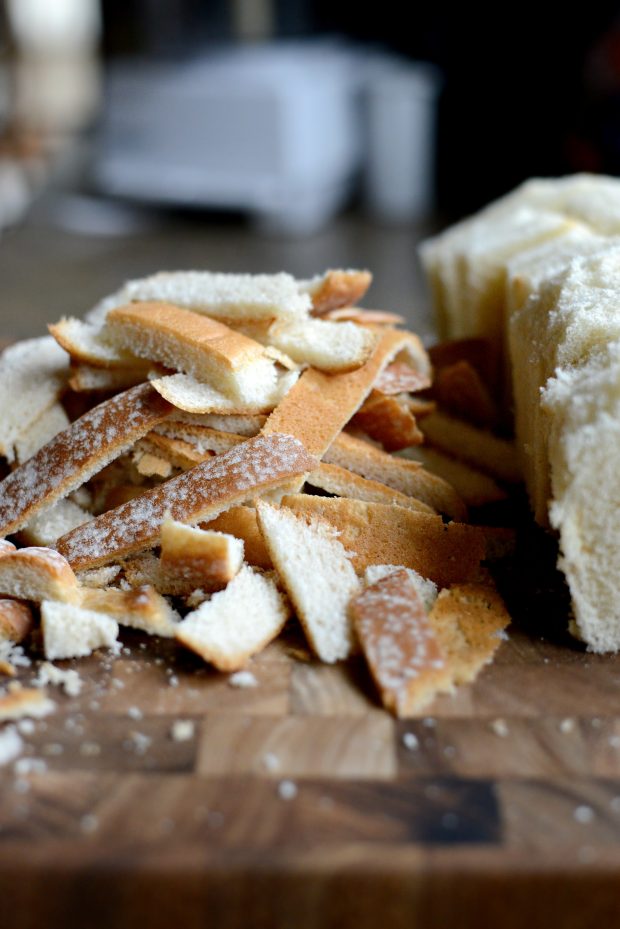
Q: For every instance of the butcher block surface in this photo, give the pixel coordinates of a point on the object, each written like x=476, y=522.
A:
x=300, y=803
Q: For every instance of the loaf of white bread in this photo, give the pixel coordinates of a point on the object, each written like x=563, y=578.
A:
x=538, y=274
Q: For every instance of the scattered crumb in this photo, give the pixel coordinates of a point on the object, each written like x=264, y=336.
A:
x=567, y=725
x=69, y=680
x=182, y=730
x=410, y=741
x=270, y=761
x=134, y=712
x=583, y=814
x=26, y=726
x=173, y=680
x=242, y=679
x=30, y=766
x=287, y=790
x=11, y=745
x=500, y=728
x=90, y=749
x=139, y=742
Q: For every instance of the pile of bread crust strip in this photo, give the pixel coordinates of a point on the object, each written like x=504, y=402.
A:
x=537, y=276
x=206, y=456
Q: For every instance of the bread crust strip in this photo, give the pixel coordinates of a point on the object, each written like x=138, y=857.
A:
x=388, y=420
x=477, y=447
x=344, y=483
x=76, y=454
x=209, y=488
x=408, y=477
x=319, y=405
x=401, y=378
x=403, y=653
x=377, y=533
x=336, y=289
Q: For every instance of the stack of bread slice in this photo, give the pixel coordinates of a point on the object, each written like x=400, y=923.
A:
x=206, y=454
x=549, y=306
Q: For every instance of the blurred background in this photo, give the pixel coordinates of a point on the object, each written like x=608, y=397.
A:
x=266, y=135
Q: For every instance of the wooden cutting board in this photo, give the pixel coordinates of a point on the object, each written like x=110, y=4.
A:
x=300, y=804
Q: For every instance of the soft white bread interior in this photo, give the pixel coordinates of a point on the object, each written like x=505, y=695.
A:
x=236, y=622
x=328, y=346
x=69, y=631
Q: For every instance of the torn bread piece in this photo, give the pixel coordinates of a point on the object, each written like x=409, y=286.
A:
x=88, y=344
x=39, y=433
x=192, y=396
x=235, y=623
x=142, y=608
x=241, y=522
x=469, y=621
x=426, y=590
x=363, y=317
x=473, y=487
x=388, y=420
x=70, y=631
x=25, y=702
x=482, y=449
x=37, y=574
x=197, y=346
x=407, y=477
x=52, y=522
x=232, y=297
x=146, y=570
x=16, y=621
x=99, y=577
x=461, y=391
x=75, y=454
x=403, y=653
x=33, y=375
x=336, y=288
x=200, y=494
x=317, y=574
x=203, y=558
x=343, y=483
x=400, y=378
x=375, y=533
x=322, y=344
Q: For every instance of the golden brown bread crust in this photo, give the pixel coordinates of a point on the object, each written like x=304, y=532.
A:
x=25, y=701
x=344, y=483
x=340, y=289
x=363, y=317
x=182, y=332
x=16, y=620
x=37, y=573
x=199, y=494
x=403, y=653
x=78, y=452
x=401, y=378
x=388, y=420
x=376, y=533
x=241, y=522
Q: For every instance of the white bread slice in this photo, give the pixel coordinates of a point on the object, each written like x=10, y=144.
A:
x=192, y=396
x=335, y=289
x=325, y=345
x=74, y=455
x=142, y=608
x=50, y=523
x=400, y=646
x=317, y=574
x=407, y=477
x=87, y=343
x=235, y=623
x=343, y=483
x=209, y=488
x=37, y=574
x=196, y=345
x=16, y=620
x=33, y=375
x=222, y=296
x=69, y=631
x=376, y=533
x=203, y=558
x=39, y=433
x=582, y=406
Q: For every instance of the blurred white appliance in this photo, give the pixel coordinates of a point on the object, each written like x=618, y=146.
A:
x=272, y=129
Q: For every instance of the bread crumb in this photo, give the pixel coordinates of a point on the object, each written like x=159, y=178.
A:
x=11, y=745
x=242, y=679
x=287, y=790
x=500, y=728
x=567, y=725
x=30, y=766
x=69, y=680
x=183, y=730
x=138, y=742
x=270, y=761
x=26, y=726
x=134, y=712
x=410, y=741
x=583, y=814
